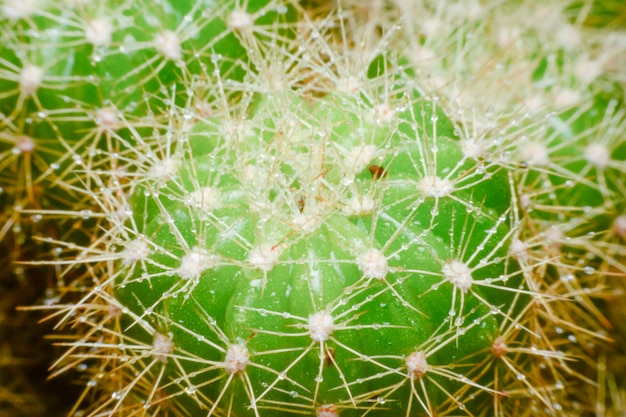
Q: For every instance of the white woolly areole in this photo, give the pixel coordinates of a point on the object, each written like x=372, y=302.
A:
x=431, y=26
x=598, y=154
x=240, y=19
x=568, y=36
x=162, y=347
x=459, y=274
x=349, y=85
x=383, y=113
x=107, y=119
x=534, y=153
x=203, y=107
x=519, y=250
x=168, y=44
x=359, y=205
x=422, y=54
x=470, y=9
x=359, y=157
x=207, y=198
x=588, y=70
x=619, y=225
x=195, y=263
x=507, y=36
x=498, y=348
x=434, y=186
x=321, y=325
x=17, y=9
x=416, y=365
x=567, y=97
x=435, y=83
x=553, y=237
x=249, y=173
x=473, y=149
x=534, y=103
x=373, y=264
x=30, y=79
x=305, y=223
x=164, y=169
x=23, y=145
x=237, y=358
x=135, y=250
x=264, y=257
x=98, y=32
x=327, y=410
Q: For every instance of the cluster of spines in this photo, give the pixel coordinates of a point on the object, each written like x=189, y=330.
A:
x=530, y=250
x=67, y=119
x=320, y=327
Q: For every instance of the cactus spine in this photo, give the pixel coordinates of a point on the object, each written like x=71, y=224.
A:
x=283, y=208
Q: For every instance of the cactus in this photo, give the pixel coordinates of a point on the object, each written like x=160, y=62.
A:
x=280, y=208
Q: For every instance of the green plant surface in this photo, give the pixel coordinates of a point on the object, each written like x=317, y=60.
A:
x=314, y=281
x=268, y=208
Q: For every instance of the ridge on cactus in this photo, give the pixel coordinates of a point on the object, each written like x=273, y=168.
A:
x=282, y=208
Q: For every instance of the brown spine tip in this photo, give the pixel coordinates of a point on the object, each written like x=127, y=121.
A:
x=377, y=172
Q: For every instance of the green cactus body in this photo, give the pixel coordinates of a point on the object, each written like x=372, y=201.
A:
x=338, y=286
x=284, y=208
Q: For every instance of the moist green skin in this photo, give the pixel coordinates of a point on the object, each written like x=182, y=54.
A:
x=377, y=321
x=177, y=326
